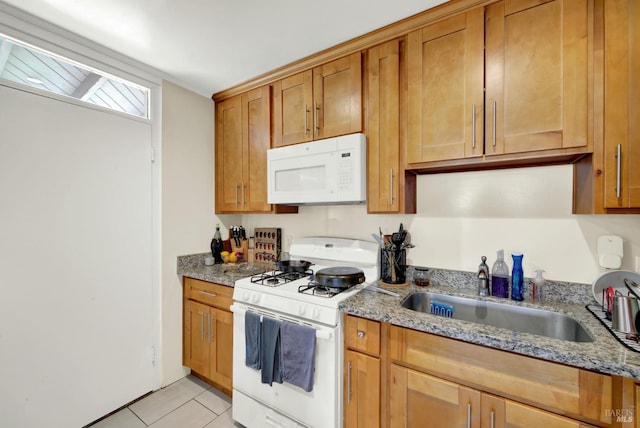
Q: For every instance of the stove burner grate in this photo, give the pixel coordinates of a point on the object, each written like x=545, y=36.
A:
x=320, y=290
x=276, y=278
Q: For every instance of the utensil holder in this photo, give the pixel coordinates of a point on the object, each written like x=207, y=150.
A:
x=393, y=266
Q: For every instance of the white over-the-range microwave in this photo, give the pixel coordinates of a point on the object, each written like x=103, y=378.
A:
x=329, y=171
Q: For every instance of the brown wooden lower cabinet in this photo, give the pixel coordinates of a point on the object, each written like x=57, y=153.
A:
x=421, y=400
x=413, y=379
x=208, y=332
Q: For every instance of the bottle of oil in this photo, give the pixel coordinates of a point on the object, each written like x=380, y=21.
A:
x=217, y=246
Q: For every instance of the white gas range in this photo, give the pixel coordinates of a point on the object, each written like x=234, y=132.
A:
x=296, y=299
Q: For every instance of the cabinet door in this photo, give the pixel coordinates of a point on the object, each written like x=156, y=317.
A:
x=622, y=104
x=293, y=104
x=536, y=75
x=445, y=70
x=337, y=96
x=257, y=140
x=221, y=347
x=229, y=155
x=383, y=128
x=196, y=337
x=362, y=391
x=420, y=400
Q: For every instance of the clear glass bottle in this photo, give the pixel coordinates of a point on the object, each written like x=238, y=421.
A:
x=217, y=246
x=517, y=277
x=500, y=277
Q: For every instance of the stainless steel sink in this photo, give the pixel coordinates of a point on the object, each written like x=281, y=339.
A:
x=516, y=318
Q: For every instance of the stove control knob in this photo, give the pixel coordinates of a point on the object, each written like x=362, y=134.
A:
x=301, y=310
x=316, y=313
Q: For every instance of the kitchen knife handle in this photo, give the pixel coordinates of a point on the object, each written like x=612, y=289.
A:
x=306, y=119
x=349, y=382
x=618, y=170
x=473, y=126
x=391, y=186
x=495, y=107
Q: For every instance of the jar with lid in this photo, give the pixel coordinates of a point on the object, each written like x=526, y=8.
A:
x=421, y=276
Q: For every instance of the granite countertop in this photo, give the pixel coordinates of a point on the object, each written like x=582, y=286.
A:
x=193, y=266
x=605, y=354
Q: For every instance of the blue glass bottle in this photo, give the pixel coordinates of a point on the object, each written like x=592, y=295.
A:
x=517, y=280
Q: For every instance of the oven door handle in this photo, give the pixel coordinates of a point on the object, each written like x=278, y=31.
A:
x=321, y=334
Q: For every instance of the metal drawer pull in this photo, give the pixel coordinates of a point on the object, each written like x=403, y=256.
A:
x=493, y=419
x=618, y=170
x=469, y=415
x=360, y=334
x=207, y=293
x=473, y=126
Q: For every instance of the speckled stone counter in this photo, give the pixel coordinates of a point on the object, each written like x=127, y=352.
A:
x=605, y=354
x=227, y=274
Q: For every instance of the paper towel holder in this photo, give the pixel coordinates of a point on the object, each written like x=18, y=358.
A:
x=610, y=251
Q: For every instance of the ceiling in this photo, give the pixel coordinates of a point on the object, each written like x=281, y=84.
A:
x=211, y=45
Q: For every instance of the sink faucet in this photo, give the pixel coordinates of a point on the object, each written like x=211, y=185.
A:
x=483, y=278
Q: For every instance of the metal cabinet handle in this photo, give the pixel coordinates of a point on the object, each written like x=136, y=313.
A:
x=349, y=382
x=473, y=126
x=360, y=334
x=495, y=107
x=236, y=195
x=210, y=336
x=306, y=119
x=618, y=170
x=493, y=419
x=391, y=186
x=202, y=326
x=244, y=186
x=315, y=116
x=468, y=415
x=207, y=293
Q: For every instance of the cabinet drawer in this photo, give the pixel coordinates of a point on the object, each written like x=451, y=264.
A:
x=362, y=335
x=220, y=296
x=552, y=386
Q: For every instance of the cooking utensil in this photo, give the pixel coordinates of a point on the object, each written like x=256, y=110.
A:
x=339, y=277
x=633, y=287
x=607, y=300
x=293, y=265
x=624, y=314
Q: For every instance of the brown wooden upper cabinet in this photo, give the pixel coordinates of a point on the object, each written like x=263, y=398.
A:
x=242, y=139
x=533, y=69
x=319, y=103
x=389, y=188
x=621, y=104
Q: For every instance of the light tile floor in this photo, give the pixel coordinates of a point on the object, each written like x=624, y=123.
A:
x=187, y=403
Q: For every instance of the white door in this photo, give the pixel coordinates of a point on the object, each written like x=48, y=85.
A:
x=76, y=330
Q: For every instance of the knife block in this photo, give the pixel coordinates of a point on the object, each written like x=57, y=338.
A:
x=243, y=248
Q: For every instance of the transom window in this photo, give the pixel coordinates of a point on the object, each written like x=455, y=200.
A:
x=37, y=68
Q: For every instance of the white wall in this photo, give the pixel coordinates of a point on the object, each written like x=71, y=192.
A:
x=462, y=216
x=188, y=220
